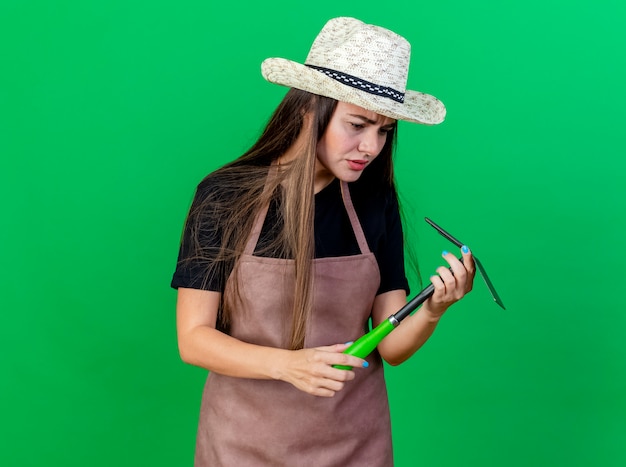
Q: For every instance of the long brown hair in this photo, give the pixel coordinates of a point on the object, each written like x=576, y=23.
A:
x=243, y=181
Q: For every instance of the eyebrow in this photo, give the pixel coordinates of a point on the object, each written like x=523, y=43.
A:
x=372, y=122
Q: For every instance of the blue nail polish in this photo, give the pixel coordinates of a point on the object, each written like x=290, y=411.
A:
x=444, y=253
x=349, y=343
x=365, y=364
x=464, y=249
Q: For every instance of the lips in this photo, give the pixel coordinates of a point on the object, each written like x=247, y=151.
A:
x=357, y=164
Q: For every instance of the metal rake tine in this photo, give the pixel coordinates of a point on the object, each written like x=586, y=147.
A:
x=479, y=265
x=444, y=233
x=490, y=286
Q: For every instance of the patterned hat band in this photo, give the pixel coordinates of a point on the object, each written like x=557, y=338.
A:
x=361, y=84
x=365, y=51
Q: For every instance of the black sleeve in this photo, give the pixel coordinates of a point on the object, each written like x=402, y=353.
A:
x=379, y=213
x=390, y=249
x=196, y=268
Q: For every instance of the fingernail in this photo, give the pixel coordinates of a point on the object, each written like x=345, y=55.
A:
x=464, y=249
x=444, y=253
x=365, y=364
x=349, y=343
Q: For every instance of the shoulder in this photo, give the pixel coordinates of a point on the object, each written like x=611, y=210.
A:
x=229, y=183
x=218, y=181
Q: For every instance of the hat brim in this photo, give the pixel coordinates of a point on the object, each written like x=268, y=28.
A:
x=417, y=106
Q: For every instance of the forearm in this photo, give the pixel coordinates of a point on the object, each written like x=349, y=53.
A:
x=201, y=344
x=408, y=337
x=209, y=348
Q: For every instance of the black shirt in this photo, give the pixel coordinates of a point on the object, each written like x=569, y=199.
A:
x=378, y=214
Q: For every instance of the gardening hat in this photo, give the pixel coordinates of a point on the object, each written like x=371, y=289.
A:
x=360, y=64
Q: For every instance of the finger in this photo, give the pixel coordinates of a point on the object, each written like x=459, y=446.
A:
x=332, y=378
x=457, y=267
x=447, y=277
x=336, y=348
x=321, y=377
x=321, y=390
x=470, y=267
x=331, y=359
x=468, y=260
x=327, y=387
x=436, y=281
x=463, y=271
x=349, y=360
x=330, y=384
x=342, y=359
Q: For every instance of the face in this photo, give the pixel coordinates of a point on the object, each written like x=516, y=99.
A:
x=352, y=140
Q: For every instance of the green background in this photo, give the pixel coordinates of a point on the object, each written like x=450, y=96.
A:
x=110, y=114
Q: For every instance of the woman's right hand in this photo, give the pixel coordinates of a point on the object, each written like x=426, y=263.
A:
x=311, y=370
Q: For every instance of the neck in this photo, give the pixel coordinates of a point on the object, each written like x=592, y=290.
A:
x=323, y=177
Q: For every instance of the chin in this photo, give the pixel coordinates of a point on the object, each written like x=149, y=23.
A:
x=354, y=176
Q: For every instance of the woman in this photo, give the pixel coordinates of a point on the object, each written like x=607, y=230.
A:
x=291, y=249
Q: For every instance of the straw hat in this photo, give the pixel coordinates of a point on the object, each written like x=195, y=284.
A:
x=360, y=64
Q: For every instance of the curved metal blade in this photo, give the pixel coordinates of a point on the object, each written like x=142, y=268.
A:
x=479, y=265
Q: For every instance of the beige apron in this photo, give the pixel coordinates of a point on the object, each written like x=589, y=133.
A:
x=246, y=422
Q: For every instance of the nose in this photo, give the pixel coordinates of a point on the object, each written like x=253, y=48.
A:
x=371, y=142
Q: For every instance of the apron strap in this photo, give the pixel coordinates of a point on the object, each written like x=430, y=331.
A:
x=260, y=217
x=347, y=201
x=354, y=220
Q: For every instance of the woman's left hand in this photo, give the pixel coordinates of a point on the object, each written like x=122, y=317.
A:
x=452, y=284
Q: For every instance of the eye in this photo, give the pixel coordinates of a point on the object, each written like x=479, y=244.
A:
x=357, y=126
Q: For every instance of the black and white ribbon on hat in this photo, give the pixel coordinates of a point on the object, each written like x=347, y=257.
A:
x=361, y=84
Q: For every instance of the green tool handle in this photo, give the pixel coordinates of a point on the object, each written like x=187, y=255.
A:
x=364, y=345
x=367, y=343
